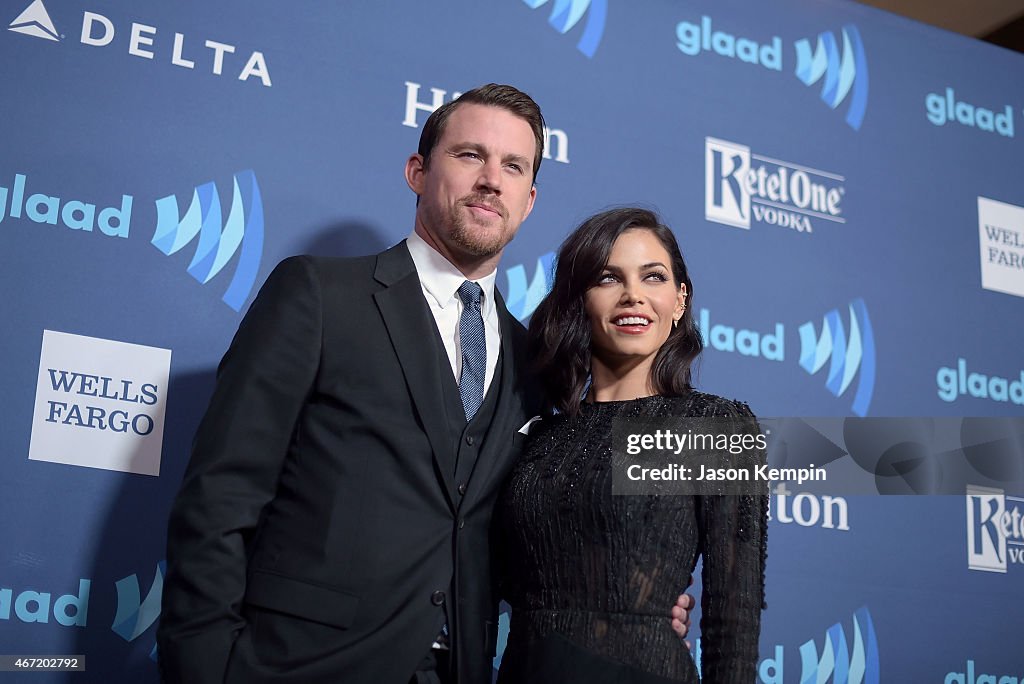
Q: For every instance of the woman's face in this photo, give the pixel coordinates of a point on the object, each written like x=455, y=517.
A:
x=634, y=303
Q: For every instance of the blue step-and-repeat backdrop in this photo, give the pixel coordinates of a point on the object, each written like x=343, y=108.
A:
x=847, y=186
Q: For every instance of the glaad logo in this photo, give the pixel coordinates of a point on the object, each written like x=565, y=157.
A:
x=970, y=677
x=954, y=383
x=836, y=660
x=995, y=529
x=523, y=298
x=859, y=666
x=847, y=355
x=35, y=21
x=243, y=229
x=567, y=13
x=692, y=39
x=843, y=74
x=135, y=615
x=70, y=610
x=768, y=345
x=75, y=214
x=504, y=627
x=941, y=109
x=554, y=138
x=739, y=185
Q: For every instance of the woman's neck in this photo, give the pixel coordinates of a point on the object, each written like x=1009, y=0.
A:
x=620, y=383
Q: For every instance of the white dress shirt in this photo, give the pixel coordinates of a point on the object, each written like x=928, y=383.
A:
x=440, y=281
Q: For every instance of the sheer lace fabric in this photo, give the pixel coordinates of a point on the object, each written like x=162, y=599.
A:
x=603, y=571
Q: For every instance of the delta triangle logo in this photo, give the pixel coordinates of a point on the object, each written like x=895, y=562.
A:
x=35, y=21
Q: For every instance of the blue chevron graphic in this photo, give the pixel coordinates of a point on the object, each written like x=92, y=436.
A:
x=847, y=356
x=242, y=232
x=523, y=298
x=134, y=616
x=836, y=661
x=567, y=13
x=841, y=73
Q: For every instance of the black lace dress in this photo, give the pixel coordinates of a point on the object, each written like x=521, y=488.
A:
x=591, y=577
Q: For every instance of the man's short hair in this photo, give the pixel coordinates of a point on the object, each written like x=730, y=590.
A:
x=506, y=97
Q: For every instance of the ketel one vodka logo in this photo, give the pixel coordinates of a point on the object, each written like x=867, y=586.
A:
x=995, y=529
x=741, y=187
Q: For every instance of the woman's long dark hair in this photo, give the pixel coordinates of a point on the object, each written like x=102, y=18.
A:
x=559, y=337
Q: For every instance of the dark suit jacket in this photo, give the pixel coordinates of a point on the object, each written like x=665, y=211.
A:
x=319, y=516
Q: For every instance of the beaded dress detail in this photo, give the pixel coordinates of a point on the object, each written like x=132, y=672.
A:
x=601, y=572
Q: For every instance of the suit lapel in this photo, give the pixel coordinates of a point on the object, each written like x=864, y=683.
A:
x=411, y=326
x=498, y=446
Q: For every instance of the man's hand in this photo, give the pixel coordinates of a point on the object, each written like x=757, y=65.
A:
x=681, y=614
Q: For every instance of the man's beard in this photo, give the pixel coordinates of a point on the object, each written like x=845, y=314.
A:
x=472, y=236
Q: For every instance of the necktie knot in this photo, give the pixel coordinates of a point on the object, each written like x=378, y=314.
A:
x=470, y=293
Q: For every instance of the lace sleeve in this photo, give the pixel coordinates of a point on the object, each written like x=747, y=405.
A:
x=733, y=537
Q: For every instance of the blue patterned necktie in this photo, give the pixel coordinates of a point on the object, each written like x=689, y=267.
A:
x=474, y=349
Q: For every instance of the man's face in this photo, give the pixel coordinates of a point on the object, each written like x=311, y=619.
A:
x=478, y=187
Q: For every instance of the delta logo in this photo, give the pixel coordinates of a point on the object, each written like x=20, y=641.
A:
x=35, y=21
x=219, y=240
x=566, y=14
x=840, y=65
x=149, y=42
x=741, y=187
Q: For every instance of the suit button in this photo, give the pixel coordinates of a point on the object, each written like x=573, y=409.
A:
x=462, y=489
x=469, y=440
x=437, y=598
x=462, y=523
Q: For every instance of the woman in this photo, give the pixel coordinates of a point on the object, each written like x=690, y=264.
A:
x=589, y=571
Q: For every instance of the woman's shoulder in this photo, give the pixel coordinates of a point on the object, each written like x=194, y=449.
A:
x=698, y=404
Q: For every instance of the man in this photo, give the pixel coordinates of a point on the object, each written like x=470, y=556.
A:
x=334, y=519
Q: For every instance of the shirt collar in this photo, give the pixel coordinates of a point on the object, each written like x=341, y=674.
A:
x=441, y=279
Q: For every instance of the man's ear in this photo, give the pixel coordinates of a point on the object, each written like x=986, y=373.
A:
x=415, y=168
x=529, y=202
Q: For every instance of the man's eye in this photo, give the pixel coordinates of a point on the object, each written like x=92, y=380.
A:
x=516, y=167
